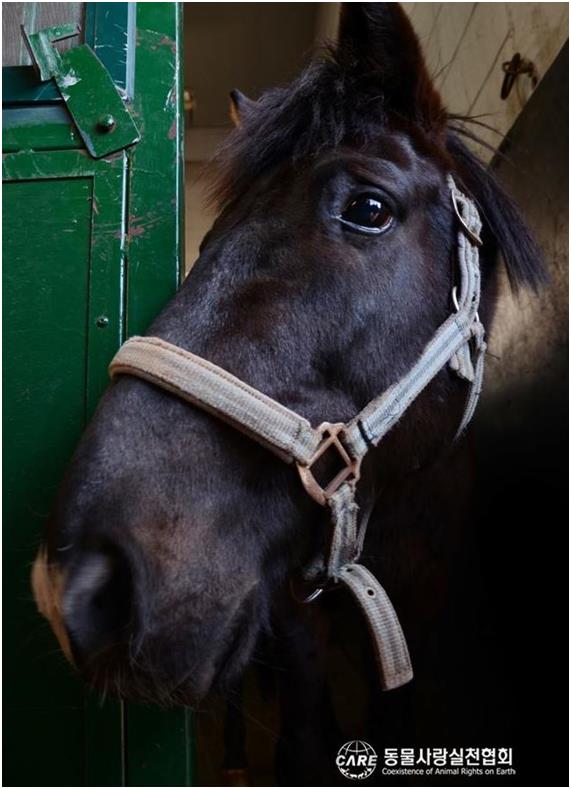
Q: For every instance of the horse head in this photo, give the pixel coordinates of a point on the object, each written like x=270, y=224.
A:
x=329, y=268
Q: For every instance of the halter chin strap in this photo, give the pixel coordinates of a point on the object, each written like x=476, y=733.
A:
x=459, y=343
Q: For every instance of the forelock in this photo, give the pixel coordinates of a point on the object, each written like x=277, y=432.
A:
x=321, y=109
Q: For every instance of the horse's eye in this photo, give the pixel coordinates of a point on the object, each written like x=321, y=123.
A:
x=367, y=213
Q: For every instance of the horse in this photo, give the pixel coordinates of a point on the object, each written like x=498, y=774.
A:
x=174, y=538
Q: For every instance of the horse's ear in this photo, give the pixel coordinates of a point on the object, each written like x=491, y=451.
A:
x=378, y=44
x=240, y=105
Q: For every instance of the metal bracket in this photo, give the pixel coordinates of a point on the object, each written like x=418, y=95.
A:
x=102, y=119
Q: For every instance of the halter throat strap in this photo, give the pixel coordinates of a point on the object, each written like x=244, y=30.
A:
x=457, y=343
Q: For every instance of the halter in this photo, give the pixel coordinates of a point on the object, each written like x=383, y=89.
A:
x=459, y=343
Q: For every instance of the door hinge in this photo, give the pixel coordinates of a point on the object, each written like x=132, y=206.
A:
x=102, y=119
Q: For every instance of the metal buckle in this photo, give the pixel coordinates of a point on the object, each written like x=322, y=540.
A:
x=473, y=237
x=330, y=438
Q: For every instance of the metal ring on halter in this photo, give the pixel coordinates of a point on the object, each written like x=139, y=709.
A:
x=313, y=596
x=310, y=597
x=457, y=306
x=468, y=232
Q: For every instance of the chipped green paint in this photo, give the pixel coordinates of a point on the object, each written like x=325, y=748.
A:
x=43, y=55
x=89, y=94
x=155, y=228
x=93, y=250
x=109, y=31
x=60, y=268
x=99, y=113
x=38, y=128
x=20, y=86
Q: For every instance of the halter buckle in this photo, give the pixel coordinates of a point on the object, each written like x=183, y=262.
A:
x=352, y=468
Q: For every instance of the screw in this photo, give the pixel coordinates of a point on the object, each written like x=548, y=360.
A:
x=106, y=123
x=102, y=321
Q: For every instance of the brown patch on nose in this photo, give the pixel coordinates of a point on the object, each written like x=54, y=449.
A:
x=47, y=586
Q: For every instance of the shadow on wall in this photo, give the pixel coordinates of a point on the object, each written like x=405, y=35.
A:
x=530, y=335
x=522, y=430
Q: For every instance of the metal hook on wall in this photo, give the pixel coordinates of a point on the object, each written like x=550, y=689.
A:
x=512, y=70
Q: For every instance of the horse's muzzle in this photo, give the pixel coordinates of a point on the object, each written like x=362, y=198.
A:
x=95, y=612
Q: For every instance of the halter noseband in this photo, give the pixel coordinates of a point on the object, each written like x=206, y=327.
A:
x=293, y=438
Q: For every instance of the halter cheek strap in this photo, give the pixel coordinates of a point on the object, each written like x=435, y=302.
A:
x=458, y=343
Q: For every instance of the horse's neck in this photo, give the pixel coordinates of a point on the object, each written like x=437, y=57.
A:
x=420, y=523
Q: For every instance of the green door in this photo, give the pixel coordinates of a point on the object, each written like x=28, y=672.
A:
x=92, y=250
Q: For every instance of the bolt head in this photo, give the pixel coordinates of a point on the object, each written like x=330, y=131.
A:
x=102, y=321
x=106, y=123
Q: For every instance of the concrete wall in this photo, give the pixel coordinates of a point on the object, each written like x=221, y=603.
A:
x=466, y=43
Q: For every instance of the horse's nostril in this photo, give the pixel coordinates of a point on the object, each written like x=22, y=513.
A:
x=97, y=602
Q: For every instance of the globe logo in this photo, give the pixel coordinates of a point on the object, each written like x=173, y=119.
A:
x=356, y=759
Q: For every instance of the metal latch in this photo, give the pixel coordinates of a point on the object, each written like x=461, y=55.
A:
x=97, y=109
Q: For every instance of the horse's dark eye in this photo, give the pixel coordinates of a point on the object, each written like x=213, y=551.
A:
x=367, y=213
